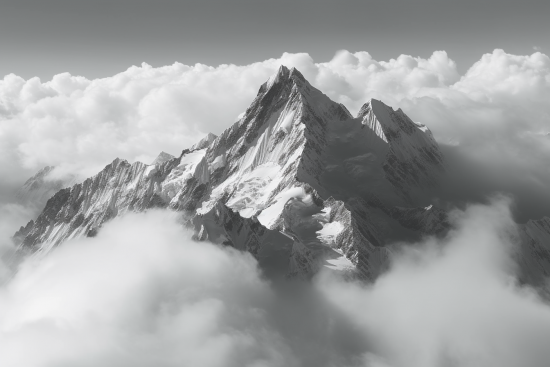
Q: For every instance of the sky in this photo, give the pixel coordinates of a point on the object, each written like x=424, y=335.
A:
x=101, y=38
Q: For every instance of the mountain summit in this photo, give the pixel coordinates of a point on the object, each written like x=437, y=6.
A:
x=297, y=181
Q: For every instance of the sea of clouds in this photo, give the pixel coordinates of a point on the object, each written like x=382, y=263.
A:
x=142, y=293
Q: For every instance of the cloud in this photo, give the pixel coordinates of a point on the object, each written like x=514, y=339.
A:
x=494, y=118
x=11, y=218
x=141, y=293
x=84, y=124
x=452, y=302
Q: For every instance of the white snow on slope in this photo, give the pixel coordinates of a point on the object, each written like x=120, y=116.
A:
x=329, y=232
x=269, y=215
x=287, y=121
x=340, y=263
x=189, y=166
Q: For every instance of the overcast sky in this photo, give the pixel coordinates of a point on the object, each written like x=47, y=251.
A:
x=100, y=38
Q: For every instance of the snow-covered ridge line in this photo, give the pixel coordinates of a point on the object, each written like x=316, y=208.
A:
x=296, y=181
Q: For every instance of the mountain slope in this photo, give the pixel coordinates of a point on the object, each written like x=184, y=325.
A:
x=296, y=178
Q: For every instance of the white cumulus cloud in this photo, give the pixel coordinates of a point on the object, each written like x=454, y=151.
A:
x=141, y=293
x=496, y=115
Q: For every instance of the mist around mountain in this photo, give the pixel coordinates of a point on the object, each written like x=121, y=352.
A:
x=301, y=235
x=296, y=169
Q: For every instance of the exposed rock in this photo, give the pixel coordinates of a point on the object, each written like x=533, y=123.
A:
x=297, y=182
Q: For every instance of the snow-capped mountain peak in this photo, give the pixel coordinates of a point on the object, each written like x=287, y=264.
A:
x=296, y=177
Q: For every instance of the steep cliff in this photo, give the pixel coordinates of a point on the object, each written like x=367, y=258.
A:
x=297, y=181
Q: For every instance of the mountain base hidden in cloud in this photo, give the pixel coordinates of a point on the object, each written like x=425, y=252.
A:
x=297, y=181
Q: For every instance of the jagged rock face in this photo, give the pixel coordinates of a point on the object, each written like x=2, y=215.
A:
x=297, y=181
x=40, y=187
x=83, y=208
x=274, y=147
x=413, y=159
x=223, y=226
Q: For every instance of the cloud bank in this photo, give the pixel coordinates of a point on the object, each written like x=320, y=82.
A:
x=497, y=113
x=453, y=302
x=135, y=114
x=493, y=123
x=142, y=293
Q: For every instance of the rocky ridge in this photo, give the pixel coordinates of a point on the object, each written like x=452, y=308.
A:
x=297, y=181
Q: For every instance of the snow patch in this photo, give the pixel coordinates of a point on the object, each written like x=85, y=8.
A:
x=422, y=127
x=269, y=215
x=250, y=191
x=329, y=232
x=218, y=162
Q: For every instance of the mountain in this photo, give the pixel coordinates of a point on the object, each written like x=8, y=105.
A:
x=39, y=188
x=161, y=158
x=297, y=181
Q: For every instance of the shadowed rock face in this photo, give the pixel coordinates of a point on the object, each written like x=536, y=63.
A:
x=534, y=254
x=297, y=181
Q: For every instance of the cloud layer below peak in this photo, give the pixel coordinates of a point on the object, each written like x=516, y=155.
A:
x=142, y=293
